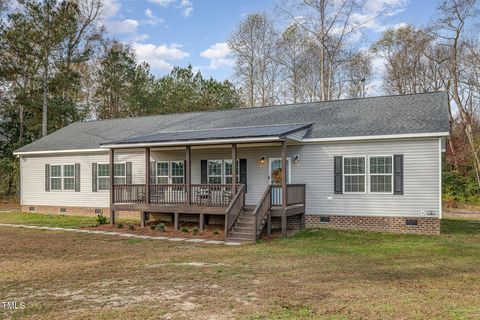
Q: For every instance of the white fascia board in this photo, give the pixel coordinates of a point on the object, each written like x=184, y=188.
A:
x=379, y=137
x=27, y=153
x=188, y=143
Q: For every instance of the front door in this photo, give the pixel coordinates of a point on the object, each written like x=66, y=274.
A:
x=275, y=178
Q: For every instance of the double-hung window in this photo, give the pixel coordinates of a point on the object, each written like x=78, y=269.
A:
x=354, y=174
x=56, y=177
x=69, y=177
x=381, y=174
x=163, y=169
x=177, y=172
x=228, y=171
x=103, y=175
x=214, y=171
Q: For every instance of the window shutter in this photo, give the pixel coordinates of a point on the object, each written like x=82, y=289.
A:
x=94, y=177
x=153, y=172
x=77, y=177
x=203, y=171
x=47, y=177
x=128, y=173
x=338, y=174
x=398, y=174
x=243, y=173
x=185, y=171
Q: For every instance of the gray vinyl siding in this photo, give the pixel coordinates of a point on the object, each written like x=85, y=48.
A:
x=315, y=169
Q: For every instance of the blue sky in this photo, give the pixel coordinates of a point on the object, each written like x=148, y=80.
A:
x=177, y=32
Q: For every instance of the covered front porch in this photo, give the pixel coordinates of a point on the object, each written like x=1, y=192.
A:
x=198, y=193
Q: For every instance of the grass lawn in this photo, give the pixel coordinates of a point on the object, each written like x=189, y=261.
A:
x=317, y=274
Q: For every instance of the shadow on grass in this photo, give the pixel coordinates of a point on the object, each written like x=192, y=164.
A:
x=451, y=226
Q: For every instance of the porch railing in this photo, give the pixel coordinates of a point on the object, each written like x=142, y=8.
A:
x=234, y=209
x=295, y=194
x=262, y=211
x=211, y=195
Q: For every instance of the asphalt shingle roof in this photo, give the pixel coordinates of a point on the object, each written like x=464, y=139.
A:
x=386, y=115
x=279, y=131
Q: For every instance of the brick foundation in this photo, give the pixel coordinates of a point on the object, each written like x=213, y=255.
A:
x=293, y=222
x=80, y=211
x=425, y=225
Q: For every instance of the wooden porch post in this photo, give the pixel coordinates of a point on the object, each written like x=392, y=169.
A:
x=284, y=188
x=234, y=169
x=188, y=174
x=112, y=192
x=147, y=186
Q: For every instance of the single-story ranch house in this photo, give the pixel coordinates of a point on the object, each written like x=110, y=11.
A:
x=370, y=163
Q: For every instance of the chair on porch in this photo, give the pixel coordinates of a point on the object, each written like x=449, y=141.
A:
x=203, y=196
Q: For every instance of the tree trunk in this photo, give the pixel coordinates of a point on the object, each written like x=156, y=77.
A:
x=45, y=97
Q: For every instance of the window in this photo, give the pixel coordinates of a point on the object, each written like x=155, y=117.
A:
x=162, y=172
x=103, y=175
x=381, y=174
x=69, y=177
x=120, y=173
x=354, y=174
x=214, y=171
x=177, y=172
x=56, y=177
x=228, y=171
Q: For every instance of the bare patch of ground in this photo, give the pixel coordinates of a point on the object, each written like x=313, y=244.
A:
x=318, y=274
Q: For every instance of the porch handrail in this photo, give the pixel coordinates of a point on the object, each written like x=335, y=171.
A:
x=234, y=209
x=295, y=194
x=262, y=211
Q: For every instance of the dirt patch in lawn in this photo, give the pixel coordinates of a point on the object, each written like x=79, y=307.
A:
x=210, y=232
x=470, y=213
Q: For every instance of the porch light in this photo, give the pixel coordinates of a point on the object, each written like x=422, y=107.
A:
x=263, y=159
x=296, y=159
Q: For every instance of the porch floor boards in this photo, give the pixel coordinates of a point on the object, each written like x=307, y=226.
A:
x=156, y=208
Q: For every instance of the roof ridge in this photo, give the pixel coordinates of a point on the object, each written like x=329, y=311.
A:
x=266, y=106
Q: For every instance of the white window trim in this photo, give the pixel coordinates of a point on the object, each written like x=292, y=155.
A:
x=364, y=174
x=98, y=177
x=74, y=177
x=379, y=174
x=225, y=175
x=162, y=176
x=61, y=177
x=171, y=172
x=125, y=176
x=216, y=176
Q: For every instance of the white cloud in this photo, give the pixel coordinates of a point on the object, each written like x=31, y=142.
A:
x=110, y=8
x=218, y=54
x=152, y=19
x=127, y=26
x=163, y=3
x=160, y=56
x=186, y=6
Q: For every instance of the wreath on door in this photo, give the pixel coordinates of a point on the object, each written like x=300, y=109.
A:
x=277, y=175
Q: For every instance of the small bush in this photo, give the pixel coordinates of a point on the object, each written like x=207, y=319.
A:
x=101, y=219
x=184, y=229
x=152, y=227
x=131, y=227
x=216, y=232
x=160, y=227
x=120, y=225
x=195, y=230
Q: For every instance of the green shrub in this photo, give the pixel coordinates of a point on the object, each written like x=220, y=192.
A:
x=195, y=230
x=184, y=229
x=160, y=227
x=101, y=219
x=216, y=232
x=131, y=227
x=120, y=225
x=152, y=227
x=460, y=188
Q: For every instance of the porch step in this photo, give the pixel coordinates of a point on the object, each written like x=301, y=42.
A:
x=240, y=235
x=249, y=230
x=244, y=224
x=242, y=240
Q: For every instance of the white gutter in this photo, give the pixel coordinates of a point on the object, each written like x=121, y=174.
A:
x=189, y=142
x=56, y=151
x=378, y=137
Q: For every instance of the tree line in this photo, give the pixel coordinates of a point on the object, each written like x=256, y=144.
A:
x=306, y=54
x=57, y=67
